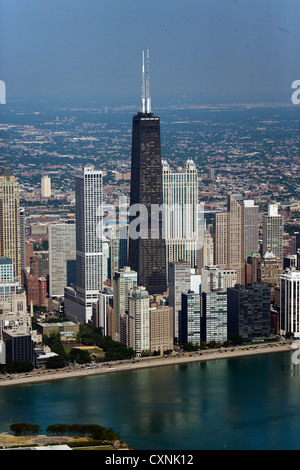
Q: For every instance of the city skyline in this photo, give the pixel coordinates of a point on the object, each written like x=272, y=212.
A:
x=138, y=238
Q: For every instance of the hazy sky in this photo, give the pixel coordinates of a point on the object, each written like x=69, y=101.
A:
x=210, y=49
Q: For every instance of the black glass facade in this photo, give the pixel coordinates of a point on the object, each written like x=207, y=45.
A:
x=249, y=313
x=147, y=254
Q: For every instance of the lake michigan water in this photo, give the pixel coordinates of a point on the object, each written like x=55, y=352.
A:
x=248, y=403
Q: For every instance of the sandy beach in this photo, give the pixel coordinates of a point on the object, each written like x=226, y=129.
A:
x=37, y=376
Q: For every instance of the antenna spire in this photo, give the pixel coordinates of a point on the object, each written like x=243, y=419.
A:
x=143, y=84
x=148, y=85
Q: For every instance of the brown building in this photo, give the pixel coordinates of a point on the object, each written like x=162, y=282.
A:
x=229, y=237
x=28, y=252
x=35, y=287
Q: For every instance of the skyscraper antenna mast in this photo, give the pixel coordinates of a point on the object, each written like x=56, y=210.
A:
x=148, y=85
x=143, y=84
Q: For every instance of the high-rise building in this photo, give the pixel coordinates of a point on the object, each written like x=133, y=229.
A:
x=161, y=328
x=190, y=318
x=295, y=243
x=179, y=281
x=138, y=313
x=229, y=240
x=89, y=239
x=147, y=252
x=251, y=227
x=22, y=238
x=8, y=285
x=211, y=173
x=102, y=310
x=180, y=199
x=273, y=232
x=46, y=186
x=89, y=235
x=249, y=311
x=124, y=280
x=214, y=316
x=10, y=237
x=62, y=250
x=117, y=249
x=269, y=269
x=290, y=302
x=206, y=251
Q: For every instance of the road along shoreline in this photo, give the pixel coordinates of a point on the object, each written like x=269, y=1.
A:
x=140, y=363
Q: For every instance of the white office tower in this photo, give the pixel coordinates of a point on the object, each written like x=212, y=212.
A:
x=195, y=281
x=180, y=199
x=206, y=251
x=106, y=257
x=89, y=239
x=251, y=227
x=46, y=186
x=179, y=281
x=123, y=280
x=22, y=237
x=139, y=327
x=62, y=253
x=273, y=232
x=290, y=302
x=104, y=307
x=2, y=352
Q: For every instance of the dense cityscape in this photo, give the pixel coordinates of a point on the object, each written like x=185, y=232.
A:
x=140, y=237
x=230, y=168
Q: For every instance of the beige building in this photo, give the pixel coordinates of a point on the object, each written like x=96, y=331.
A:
x=229, y=237
x=45, y=186
x=269, y=269
x=161, y=328
x=62, y=251
x=206, y=252
x=10, y=243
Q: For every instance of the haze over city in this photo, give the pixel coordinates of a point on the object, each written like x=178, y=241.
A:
x=208, y=51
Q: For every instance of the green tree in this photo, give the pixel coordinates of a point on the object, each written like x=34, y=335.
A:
x=80, y=356
x=19, y=366
x=55, y=362
x=55, y=344
x=25, y=429
x=235, y=339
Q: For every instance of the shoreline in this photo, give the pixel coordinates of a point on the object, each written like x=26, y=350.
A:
x=141, y=363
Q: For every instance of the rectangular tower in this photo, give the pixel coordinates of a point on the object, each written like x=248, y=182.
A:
x=62, y=248
x=229, y=237
x=147, y=254
x=273, y=232
x=180, y=197
x=89, y=235
x=10, y=232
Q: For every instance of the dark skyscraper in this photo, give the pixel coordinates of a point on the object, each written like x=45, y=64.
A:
x=147, y=254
